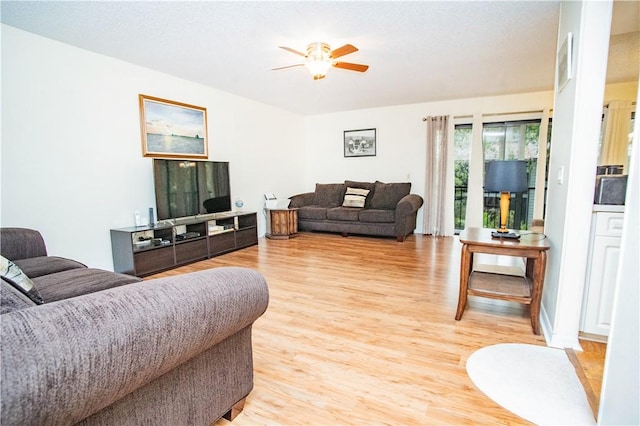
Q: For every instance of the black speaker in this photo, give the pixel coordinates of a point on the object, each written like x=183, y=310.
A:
x=151, y=218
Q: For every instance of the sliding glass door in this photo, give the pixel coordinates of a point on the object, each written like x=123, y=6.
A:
x=505, y=140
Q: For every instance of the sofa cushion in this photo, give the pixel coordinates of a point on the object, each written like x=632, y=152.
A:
x=387, y=195
x=343, y=213
x=328, y=195
x=312, y=213
x=44, y=265
x=11, y=299
x=76, y=282
x=14, y=276
x=363, y=185
x=377, y=216
x=355, y=197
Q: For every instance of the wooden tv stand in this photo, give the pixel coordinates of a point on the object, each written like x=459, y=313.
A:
x=146, y=250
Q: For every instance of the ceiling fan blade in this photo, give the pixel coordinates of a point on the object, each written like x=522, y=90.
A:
x=288, y=66
x=341, y=51
x=351, y=67
x=288, y=49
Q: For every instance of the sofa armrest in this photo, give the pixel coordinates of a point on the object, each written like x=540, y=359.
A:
x=64, y=361
x=21, y=243
x=301, y=200
x=408, y=205
x=406, y=213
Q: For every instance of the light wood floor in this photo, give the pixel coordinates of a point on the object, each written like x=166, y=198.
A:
x=589, y=365
x=362, y=331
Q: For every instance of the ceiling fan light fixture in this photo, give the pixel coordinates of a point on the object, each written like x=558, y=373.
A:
x=318, y=61
x=319, y=58
x=318, y=69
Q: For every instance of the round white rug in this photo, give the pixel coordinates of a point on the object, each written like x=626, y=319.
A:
x=537, y=383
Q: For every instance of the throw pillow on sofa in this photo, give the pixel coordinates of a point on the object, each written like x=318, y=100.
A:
x=387, y=195
x=14, y=276
x=328, y=194
x=355, y=197
x=371, y=186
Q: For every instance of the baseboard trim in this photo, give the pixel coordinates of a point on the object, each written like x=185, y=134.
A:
x=555, y=340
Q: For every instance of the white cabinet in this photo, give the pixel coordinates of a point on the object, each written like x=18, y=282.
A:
x=602, y=268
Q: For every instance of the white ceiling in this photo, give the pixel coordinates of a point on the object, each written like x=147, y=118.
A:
x=418, y=51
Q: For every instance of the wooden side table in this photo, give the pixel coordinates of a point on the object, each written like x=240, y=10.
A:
x=527, y=289
x=282, y=224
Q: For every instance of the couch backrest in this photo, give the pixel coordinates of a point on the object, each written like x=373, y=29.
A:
x=21, y=243
x=387, y=195
x=328, y=194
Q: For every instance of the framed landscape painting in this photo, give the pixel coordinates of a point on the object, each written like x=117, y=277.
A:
x=172, y=129
x=360, y=143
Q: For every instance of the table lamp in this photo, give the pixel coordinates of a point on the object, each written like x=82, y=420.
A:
x=505, y=177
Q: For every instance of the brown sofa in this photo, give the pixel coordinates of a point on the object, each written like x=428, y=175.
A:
x=170, y=351
x=389, y=210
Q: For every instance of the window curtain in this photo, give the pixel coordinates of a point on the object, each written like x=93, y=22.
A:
x=615, y=144
x=436, y=219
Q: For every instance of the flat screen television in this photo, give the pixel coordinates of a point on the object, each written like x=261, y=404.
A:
x=189, y=188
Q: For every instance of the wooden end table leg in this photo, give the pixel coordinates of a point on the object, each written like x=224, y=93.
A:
x=465, y=269
x=538, y=273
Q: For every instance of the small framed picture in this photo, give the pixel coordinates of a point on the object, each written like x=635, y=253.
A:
x=172, y=129
x=565, y=62
x=360, y=143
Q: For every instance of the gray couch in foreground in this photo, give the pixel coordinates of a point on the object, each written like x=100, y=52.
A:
x=388, y=209
x=170, y=351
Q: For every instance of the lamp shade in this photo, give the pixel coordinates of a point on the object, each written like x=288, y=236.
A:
x=506, y=176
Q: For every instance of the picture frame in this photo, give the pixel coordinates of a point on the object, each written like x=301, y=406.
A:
x=172, y=129
x=564, y=61
x=360, y=143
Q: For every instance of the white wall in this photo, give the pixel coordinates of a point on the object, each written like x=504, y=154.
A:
x=574, y=143
x=72, y=164
x=401, y=139
x=620, y=396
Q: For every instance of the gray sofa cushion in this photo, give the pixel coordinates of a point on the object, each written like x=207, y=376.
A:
x=343, y=213
x=377, y=216
x=387, y=195
x=44, y=265
x=312, y=213
x=328, y=195
x=371, y=186
x=11, y=299
x=76, y=282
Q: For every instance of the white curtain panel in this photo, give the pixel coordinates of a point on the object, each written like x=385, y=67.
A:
x=435, y=207
x=617, y=124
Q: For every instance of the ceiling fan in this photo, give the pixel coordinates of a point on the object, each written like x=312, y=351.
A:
x=319, y=58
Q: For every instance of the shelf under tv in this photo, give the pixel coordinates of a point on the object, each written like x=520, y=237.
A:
x=131, y=257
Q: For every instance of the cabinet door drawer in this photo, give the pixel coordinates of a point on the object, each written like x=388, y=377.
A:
x=222, y=243
x=150, y=261
x=600, y=289
x=246, y=237
x=609, y=224
x=191, y=250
